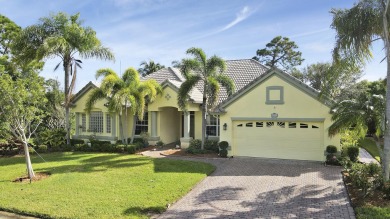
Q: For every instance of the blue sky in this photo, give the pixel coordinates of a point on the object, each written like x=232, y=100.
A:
x=162, y=30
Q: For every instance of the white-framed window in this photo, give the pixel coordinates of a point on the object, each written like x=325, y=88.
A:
x=142, y=125
x=96, y=122
x=108, y=123
x=83, y=122
x=212, y=129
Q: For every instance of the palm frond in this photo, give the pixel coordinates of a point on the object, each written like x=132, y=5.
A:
x=212, y=91
x=104, y=72
x=198, y=54
x=215, y=65
x=96, y=94
x=226, y=82
x=185, y=89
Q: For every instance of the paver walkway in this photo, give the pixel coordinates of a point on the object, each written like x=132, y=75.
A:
x=265, y=188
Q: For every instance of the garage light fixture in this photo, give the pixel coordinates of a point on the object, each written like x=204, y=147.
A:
x=224, y=126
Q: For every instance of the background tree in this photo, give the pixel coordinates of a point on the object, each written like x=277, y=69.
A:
x=21, y=106
x=8, y=32
x=61, y=36
x=149, y=67
x=55, y=118
x=208, y=73
x=123, y=93
x=321, y=77
x=356, y=29
x=281, y=53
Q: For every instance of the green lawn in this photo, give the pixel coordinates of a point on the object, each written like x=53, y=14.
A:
x=370, y=147
x=372, y=212
x=88, y=185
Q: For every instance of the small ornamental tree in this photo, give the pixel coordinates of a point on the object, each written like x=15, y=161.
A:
x=21, y=105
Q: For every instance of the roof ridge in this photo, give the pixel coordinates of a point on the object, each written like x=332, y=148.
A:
x=178, y=75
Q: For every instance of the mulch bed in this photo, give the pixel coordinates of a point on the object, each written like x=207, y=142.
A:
x=182, y=152
x=38, y=176
x=376, y=198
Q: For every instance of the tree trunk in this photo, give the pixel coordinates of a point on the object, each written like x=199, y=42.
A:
x=121, y=128
x=30, y=170
x=386, y=149
x=67, y=104
x=204, y=110
x=133, y=131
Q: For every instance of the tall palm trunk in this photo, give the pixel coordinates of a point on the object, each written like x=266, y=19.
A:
x=386, y=149
x=30, y=170
x=204, y=121
x=67, y=103
x=133, y=130
x=121, y=129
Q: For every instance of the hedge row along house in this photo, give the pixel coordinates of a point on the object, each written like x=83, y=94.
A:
x=271, y=115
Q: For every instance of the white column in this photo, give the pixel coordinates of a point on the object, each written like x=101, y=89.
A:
x=154, y=124
x=186, y=117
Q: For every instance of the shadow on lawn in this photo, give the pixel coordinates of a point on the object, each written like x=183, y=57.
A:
x=97, y=163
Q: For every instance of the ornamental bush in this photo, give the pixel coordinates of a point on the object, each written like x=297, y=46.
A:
x=353, y=153
x=223, y=145
x=331, y=149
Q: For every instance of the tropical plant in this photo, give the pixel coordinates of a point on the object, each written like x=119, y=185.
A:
x=63, y=36
x=280, y=52
x=354, y=116
x=124, y=93
x=208, y=75
x=8, y=32
x=149, y=67
x=356, y=30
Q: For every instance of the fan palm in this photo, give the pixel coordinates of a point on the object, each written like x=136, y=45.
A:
x=356, y=30
x=61, y=36
x=208, y=73
x=124, y=93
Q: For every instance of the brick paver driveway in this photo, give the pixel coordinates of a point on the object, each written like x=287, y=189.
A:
x=264, y=188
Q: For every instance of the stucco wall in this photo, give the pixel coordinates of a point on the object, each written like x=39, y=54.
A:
x=297, y=104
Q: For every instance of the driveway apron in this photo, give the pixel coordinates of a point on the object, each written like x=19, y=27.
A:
x=265, y=188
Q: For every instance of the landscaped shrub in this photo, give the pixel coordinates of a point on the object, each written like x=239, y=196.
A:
x=42, y=148
x=139, y=145
x=360, y=177
x=160, y=144
x=195, y=143
x=223, y=145
x=130, y=149
x=74, y=142
x=211, y=145
x=119, y=148
x=353, y=153
x=331, y=149
x=135, y=140
x=51, y=137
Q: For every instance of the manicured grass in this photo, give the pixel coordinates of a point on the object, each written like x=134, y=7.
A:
x=370, y=147
x=372, y=212
x=88, y=185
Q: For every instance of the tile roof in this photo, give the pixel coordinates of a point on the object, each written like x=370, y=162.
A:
x=241, y=71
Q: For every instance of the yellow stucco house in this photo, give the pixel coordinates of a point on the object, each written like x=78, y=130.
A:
x=271, y=114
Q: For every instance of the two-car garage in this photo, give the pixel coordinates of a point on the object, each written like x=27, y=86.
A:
x=289, y=139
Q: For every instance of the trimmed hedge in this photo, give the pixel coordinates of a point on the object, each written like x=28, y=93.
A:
x=331, y=149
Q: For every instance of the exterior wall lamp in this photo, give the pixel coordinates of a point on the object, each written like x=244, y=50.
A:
x=225, y=126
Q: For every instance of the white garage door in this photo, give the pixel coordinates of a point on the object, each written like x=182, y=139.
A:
x=285, y=140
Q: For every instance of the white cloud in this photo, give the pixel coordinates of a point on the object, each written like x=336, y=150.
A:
x=241, y=16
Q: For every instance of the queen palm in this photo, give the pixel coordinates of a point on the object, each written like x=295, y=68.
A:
x=124, y=93
x=61, y=36
x=207, y=74
x=356, y=29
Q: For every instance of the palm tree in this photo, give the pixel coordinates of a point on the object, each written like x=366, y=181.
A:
x=208, y=73
x=61, y=36
x=123, y=93
x=356, y=29
x=356, y=114
x=149, y=67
